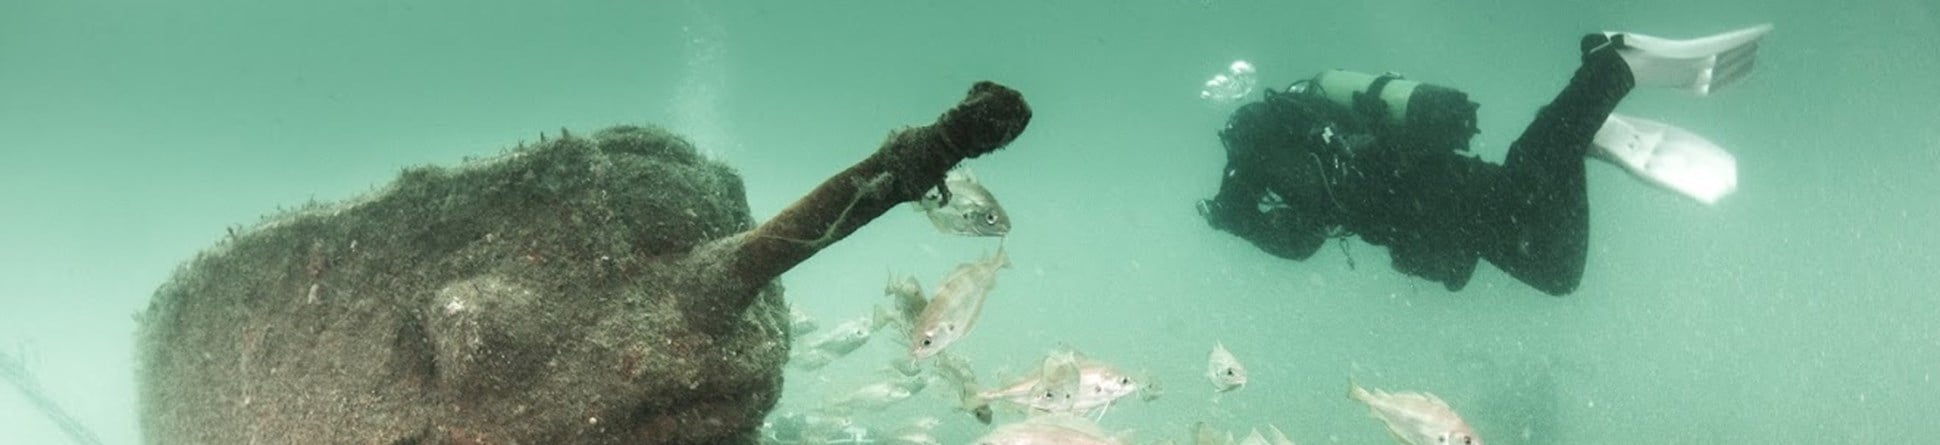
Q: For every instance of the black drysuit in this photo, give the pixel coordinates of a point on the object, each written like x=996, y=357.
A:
x=1301, y=169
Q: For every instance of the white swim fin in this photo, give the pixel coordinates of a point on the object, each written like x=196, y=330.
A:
x=1668, y=157
x=1698, y=65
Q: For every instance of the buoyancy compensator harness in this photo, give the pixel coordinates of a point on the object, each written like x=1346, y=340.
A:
x=1408, y=118
x=1328, y=136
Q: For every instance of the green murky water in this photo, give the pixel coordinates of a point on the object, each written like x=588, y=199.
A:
x=1800, y=310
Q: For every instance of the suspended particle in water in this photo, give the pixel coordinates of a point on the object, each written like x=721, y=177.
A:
x=1233, y=84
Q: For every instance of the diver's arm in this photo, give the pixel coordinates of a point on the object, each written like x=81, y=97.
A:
x=1278, y=231
x=1284, y=233
x=1251, y=146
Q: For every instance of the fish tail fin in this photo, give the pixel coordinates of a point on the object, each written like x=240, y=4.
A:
x=1148, y=388
x=881, y=317
x=1001, y=259
x=907, y=293
x=955, y=369
x=1357, y=393
x=1278, y=437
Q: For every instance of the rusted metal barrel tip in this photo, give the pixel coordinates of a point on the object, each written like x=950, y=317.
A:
x=911, y=161
x=988, y=119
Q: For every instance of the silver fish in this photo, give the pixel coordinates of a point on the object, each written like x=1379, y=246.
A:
x=844, y=338
x=1416, y=418
x=817, y=351
x=799, y=323
x=956, y=370
x=877, y=396
x=803, y=428
x=1067, y=382
x=906, y=366
x=907, y=296
x=1203, y=434
x=918, y=432
x=1224, y=370
x=1054, y=387
x=1051, y=429
x=970, y=209
x=954, y=307
x=913, y=437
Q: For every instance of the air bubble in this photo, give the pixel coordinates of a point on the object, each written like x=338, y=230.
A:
x=1235, y=83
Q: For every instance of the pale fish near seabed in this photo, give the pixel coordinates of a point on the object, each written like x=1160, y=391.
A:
x=1203, y=434
x=1416, y=418
x=1063, y=429
x=954, y=307
x=919, y=432
x=1224, y=370
x=799, y=323
x=804, y=428
x=815, y=352
x=970, y=209
x=877, y=396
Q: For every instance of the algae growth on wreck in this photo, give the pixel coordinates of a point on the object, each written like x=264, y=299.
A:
x=139, y=134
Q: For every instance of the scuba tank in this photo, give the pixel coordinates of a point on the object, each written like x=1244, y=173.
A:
x=1418, y=115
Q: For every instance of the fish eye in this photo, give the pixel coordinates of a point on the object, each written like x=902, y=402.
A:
x=1229, y=371
x=990, y=218
x=1124, y=381
x=926, y=342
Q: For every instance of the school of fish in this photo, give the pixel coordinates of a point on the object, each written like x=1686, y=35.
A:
x=1060, y=399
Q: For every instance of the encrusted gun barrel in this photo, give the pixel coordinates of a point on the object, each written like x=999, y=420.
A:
x=604, y=289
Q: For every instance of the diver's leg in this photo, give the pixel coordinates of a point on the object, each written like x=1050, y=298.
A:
x=1541, y=211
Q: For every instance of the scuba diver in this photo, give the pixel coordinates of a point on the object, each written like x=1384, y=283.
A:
x=1382, y=157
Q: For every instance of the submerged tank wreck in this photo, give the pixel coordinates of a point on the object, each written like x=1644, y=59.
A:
x=597, y=290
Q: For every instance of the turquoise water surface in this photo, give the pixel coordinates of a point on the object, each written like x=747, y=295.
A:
x=1800, y=310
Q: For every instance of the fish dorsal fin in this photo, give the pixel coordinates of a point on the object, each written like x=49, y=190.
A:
x=1066, y=350
x=1203, y=434
x=1254, y=438
x=999, y=260
x=1057, y=383
x=1434, y=400
x=1278, y=437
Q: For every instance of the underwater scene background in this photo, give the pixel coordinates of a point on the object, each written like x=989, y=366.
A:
x=1799, y=310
